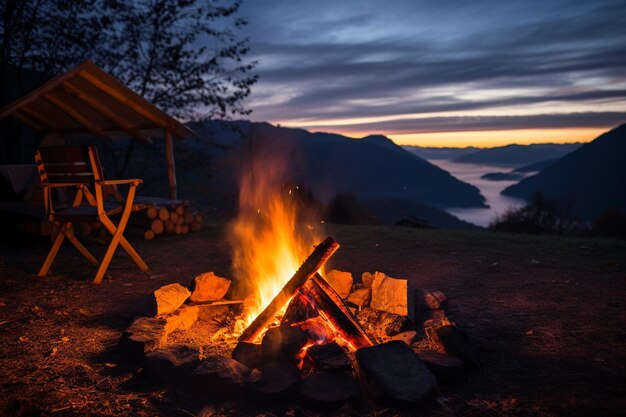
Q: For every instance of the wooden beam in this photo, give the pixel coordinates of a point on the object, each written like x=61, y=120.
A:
x=97, y=106
x=171, y=167
x=71, y=112
x=29, y=121
x=127, y=100
x=313, y=263
x=26, y=112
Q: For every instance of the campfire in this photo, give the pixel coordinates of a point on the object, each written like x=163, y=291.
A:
x=289, y=327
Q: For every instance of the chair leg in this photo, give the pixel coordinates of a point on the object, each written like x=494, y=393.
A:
x=54, y=250
x=83, y=250
x=107, y=258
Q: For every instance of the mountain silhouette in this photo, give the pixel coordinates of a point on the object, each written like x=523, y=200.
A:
x=517, y=155
x=372, y=168
x=590, y=179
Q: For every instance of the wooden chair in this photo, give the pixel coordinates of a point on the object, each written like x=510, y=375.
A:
x=78, y=168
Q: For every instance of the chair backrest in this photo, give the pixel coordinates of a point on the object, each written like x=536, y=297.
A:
x=68, y=164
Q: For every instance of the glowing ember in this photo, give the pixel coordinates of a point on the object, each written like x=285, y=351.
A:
x=268, y=242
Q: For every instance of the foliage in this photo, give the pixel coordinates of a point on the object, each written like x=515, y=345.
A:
x=182, y=55
x=541, y=216
x=344, y=208
x=612, y=223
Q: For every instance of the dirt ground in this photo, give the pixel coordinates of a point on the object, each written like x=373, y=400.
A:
x=547, y=313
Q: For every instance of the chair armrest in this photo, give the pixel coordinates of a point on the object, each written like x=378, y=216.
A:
x=134, y=181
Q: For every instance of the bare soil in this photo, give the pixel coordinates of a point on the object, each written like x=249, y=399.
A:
x=547, y=313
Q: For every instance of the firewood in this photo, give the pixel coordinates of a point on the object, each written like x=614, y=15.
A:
x=179, y=209
x=132, y=231
x=174, y=217
x=164, y=213
x=83, y=229
x=152, y=212
x=178, y=229
x=185, y=229
x=312, y=264
x=156, y=225
x=195, y=227
x=189, y=218
x=326, y=300
x=199, y=217
x=169, y=227
x=180, y=220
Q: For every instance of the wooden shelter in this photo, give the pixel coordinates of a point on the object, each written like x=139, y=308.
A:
x=88, y=99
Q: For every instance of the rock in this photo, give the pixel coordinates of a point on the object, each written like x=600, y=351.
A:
x=447, y=369
x=168, y=298
x=328, y=389
x=367, y=278
x=171, y=363
x=340, y=281
x=407, y=337
x=283, y=342
x=437, y=317
x=248, y=353
x=274, y=381
x=208, y=287
x=395, y=371
x=328, y=356
x=188, y=316
x=361, y=297
x=218, y=376
x=430, y=300
x=457, y=343
x=392, y=295
x=144, y=335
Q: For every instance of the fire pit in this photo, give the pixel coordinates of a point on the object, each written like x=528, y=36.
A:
x=290, y=332
x=308, y=343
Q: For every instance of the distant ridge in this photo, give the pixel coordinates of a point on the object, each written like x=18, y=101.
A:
x=517, y=155
x=591, y=179
x=373, y=168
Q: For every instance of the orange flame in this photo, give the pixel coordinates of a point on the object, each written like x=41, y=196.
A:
x=268, y=243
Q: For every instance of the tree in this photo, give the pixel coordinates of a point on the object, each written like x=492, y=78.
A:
x=185, y=56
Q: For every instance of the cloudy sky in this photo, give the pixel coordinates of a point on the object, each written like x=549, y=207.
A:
x=441, y=72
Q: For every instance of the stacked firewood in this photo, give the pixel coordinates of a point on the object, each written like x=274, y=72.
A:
x=172, y=217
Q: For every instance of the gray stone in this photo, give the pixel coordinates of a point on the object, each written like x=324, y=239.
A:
x=218, y=376
x=447, y=369
x=168, y=298
x=340, y=281
x=170, y=364
x=274, y=381
x=283, y=342
x=144, y=335
x=248, y=353
x=360, y=297
x=328, y=356
x=395, y=371
x=328, y=389
x=430, y=299
x=208, y=287
x=367, y=279
x=392, y=295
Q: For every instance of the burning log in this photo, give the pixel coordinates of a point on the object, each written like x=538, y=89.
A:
x=330, y=305
x=312, y=264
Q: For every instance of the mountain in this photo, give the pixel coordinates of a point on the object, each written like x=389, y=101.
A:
x=591, y=179
x=537, y=166
x=373, y=168
x=517, y=155
x=439, y=153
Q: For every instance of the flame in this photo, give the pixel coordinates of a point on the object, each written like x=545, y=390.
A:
x=268, y=243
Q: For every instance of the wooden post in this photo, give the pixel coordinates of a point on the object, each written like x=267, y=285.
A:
x=316, y=259
x=171, y=168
